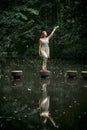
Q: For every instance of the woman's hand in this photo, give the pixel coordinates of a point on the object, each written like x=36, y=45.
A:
x=56, y=27
x=53, y=32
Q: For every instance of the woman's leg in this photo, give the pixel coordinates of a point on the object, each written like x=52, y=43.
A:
x=44, y=66
x=51, y=119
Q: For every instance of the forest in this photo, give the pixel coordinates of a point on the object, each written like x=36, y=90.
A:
x=22, y=21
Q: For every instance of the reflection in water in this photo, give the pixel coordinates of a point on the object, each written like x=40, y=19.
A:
x=19, y=99
x=17, y=84
x=44, y=104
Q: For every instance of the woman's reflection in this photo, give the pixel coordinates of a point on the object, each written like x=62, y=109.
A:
x=44, y=104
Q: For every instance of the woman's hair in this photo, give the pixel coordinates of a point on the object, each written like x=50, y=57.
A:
x=42, y=34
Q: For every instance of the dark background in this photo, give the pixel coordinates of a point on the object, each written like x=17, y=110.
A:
x=22, y=21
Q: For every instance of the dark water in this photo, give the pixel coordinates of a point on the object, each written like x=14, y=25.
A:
x=19, y=99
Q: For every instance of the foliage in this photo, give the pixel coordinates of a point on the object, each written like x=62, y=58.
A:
x=21, y=22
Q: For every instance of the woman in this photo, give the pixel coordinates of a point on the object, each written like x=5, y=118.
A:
x=44, y=104
x=44, y=47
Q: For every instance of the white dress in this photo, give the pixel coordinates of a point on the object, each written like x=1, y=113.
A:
x=45, y=47
x=44, y=106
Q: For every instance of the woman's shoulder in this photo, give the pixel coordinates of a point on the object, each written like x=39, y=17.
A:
x=46, y=38
x=40, y=39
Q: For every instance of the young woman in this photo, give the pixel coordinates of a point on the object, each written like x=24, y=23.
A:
x=44, y=104
x=44, y=51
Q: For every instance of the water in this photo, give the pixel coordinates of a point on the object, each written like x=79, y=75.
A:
x=19, y=99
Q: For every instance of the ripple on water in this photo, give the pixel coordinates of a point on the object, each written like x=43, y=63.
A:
x=79, y=116
x=85, y=86
x=85, y=113
x=75, y=101
x=29, y=89
x=19, y=119
x=70, y=106
x=15, y=111
x=25, y=116
x=64, y=112
x=15, y=100
x=78, y=103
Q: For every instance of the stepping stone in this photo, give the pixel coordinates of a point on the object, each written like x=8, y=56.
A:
x=17, y=74
x=84, y=74
x=45, y=74
x=71, y=73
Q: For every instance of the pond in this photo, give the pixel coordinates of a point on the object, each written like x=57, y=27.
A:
x=20, y=99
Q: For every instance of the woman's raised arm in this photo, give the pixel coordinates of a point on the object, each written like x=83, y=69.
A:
x=52, y=32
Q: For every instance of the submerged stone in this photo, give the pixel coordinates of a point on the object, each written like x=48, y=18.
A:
x=45, y=74
x=84, y=74
x=17, y=74
x=71, y=73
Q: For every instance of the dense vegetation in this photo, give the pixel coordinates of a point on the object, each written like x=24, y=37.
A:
x=21, y=23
